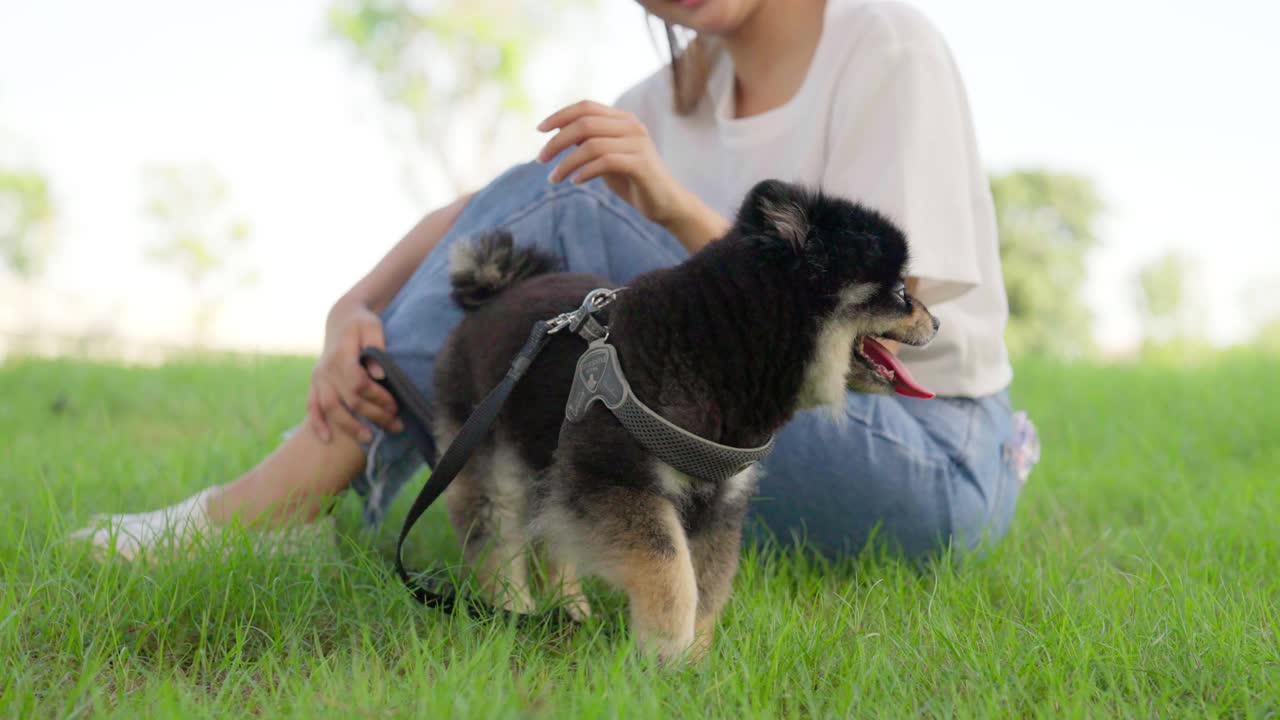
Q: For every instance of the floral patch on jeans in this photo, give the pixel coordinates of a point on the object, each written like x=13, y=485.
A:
x=1023, y=452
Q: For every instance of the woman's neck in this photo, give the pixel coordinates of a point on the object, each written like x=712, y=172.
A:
x=771, y=53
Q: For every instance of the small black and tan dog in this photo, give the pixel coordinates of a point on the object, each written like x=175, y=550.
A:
x=779, y=315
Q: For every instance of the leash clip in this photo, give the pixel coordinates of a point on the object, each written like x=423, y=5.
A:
x=595, y=301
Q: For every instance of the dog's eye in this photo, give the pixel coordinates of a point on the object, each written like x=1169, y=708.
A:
x=900, y=290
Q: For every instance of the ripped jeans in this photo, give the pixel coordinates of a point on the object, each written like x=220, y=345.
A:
x=919, y=475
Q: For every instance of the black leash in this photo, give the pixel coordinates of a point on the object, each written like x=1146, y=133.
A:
x=414, y=412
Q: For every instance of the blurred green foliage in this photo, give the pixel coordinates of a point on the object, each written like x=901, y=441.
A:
x=1047, y=225
x=440, y=64
x=197, y=235
x=1268, y=336
x=26, y=221
x=1163, y=290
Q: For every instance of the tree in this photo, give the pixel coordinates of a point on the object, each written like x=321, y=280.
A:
x=449, y=70
x=198, y=236
x=1163, y=286
x=26, y=221
x=1046, y=224
x=1262, y=306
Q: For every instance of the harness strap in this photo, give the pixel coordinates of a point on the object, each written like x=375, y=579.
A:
x=599, y=376
x=414, y=412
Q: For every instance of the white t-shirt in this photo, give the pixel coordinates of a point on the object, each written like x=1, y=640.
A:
x=881, y=118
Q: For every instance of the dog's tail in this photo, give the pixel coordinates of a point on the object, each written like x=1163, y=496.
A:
x=480, y=269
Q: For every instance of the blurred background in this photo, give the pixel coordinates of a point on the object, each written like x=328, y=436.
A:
x=179, y=175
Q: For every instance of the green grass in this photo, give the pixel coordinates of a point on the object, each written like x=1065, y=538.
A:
x=1140, y=577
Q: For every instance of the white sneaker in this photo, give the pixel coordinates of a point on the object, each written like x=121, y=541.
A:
x=128, y=535
x=181, y=528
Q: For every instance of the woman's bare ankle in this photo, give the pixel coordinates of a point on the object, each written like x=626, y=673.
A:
x=292, y=485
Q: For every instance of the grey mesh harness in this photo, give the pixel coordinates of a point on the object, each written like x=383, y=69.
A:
x=599, y=376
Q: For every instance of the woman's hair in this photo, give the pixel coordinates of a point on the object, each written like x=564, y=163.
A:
x=691, y=64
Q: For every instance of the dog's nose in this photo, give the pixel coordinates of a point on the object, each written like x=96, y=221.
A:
x=936, y=324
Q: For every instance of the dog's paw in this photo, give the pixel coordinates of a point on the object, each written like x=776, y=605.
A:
x=578, y=608
x=669, y=650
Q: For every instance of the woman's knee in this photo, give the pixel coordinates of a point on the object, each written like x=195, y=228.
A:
x=982, y=505
x=877, y=479
x=523, y=186
x=507, y=194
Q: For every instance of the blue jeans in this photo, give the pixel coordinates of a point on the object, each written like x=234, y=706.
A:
x=917, y=474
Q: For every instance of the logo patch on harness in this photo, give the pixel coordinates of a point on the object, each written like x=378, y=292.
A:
x=597, y=377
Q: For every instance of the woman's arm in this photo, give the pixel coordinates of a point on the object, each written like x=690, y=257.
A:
x=340, y=386
x=375, y=290
x=697, y=224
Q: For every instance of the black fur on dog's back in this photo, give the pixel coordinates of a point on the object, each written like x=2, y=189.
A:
x=481, y=269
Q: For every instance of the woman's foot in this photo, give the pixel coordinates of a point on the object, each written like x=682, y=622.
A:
x=184, y=527
x=127, y=536
x=279, y=499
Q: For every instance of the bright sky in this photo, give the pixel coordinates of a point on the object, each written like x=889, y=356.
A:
x=1172, y=106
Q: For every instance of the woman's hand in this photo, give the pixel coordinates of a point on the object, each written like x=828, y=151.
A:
x=614, y=145
x=340, y=386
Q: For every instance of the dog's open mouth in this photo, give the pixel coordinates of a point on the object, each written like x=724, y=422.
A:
x=887, y=366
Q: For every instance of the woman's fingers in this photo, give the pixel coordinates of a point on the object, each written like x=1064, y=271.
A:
x=361, y=385
x=315, y=418
x=384, y=414
x=569, y=113
x=337, y=414
x=585, y=128
x=366, y=397
x=589, y=151
x=329, y=407
x=621, y=163
x=362, y=396
x=370, y=400
x=376, y=414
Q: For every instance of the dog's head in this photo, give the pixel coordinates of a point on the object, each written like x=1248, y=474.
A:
x=851, y=263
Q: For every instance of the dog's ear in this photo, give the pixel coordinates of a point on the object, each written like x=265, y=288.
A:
x=776, y=209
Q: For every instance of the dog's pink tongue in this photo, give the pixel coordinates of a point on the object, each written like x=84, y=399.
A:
x=903, y=383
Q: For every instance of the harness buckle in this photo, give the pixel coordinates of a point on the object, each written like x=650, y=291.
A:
x=595, y=301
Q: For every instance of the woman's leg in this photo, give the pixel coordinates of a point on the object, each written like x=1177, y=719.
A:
x=292, y=484
x=913, y=475
x=587, y=226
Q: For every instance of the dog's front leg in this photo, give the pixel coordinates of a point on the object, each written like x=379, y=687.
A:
x=663, y=593
x=646, y=554
x=715, y=561
x=562, y=579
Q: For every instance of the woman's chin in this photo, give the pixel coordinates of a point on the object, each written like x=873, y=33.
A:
x=711, y=17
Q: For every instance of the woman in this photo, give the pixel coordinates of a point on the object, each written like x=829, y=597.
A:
x=859, y=97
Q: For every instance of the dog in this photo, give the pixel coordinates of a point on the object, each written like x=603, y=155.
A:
x=778, y=315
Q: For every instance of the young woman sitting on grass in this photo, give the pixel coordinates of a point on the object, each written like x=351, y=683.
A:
x=859, y=97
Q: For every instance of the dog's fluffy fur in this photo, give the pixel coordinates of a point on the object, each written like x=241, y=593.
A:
x=728, y=345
